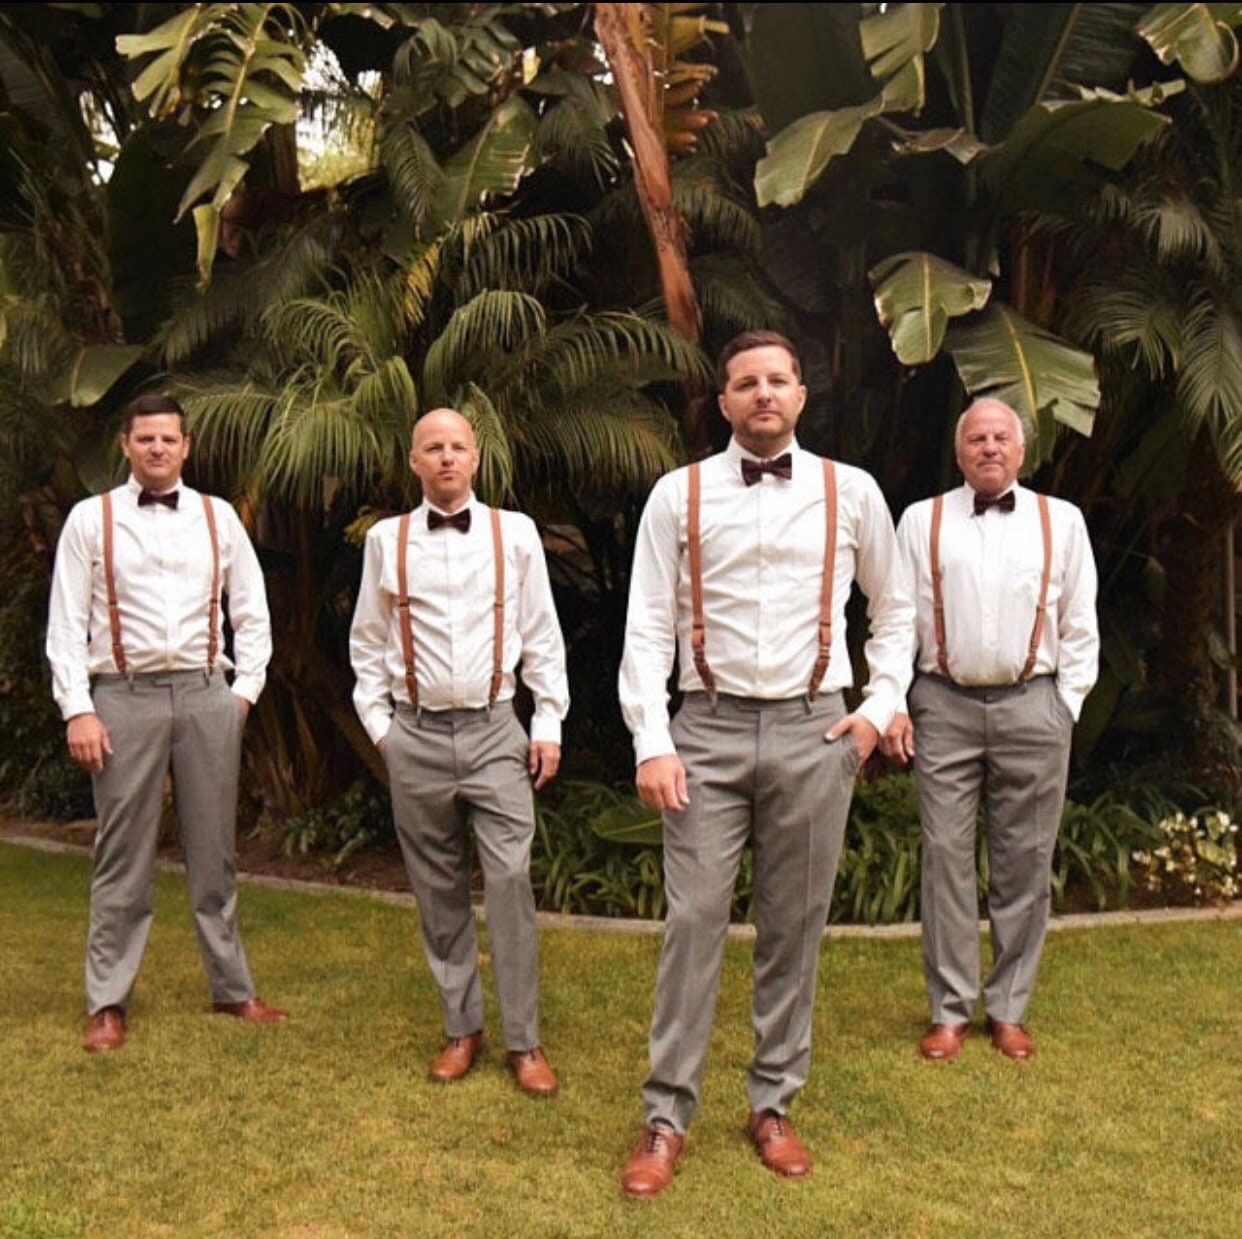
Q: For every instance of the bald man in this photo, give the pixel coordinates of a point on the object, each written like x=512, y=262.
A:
x=1003, y=585
x=454, y=595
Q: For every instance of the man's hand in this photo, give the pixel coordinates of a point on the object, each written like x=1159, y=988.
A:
x=662, y=783
x=862, y=729
x=88, y=742
x=244, y=706
x=898, y=740
x=545, y=761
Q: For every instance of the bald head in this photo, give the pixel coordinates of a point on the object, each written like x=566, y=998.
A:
x=990, y=446
x=444, y=457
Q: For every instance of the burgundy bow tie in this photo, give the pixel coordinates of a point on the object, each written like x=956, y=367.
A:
x=1002, y=503
x=753, y=470
x=168, y=498
x=458, y=520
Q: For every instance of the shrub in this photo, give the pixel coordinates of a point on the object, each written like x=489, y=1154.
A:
x=356, y=818
x=1197, y=858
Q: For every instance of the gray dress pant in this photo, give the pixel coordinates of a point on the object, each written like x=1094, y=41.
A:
x=191, y=725
x=758, y=771
x=448, y=770
x=1007, y=750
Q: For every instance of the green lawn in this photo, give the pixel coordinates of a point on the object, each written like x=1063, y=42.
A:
x=1125, y=1124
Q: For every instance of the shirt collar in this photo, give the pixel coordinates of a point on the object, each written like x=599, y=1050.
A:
x=135, y=488
x=427, y=506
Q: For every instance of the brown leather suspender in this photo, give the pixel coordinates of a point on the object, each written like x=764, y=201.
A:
x=694, y=539
x=1041, y=608
x=114, y=610
x=498, y=611
x=407, y=627
x=825, y=589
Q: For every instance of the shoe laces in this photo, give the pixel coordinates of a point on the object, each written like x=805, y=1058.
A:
x=656, y=1137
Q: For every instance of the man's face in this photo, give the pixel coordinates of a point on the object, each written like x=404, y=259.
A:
x=762, y=399
x=445, y=458
x=156, y=448
x=990, y=449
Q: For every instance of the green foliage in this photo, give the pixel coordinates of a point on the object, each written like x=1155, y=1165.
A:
x=1194, y=859
x=355, y=819
x=1094, y=847
x=878, y=877
x=37, y=774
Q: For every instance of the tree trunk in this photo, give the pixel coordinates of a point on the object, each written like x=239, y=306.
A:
x=1194, y=545
x=621, y=30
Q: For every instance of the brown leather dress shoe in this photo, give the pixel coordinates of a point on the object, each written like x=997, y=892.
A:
x=942, y=1043
x=253, y=1011
x=531, y=1071
x=779, y=1148
x=456, y=1058
x=105, y=1030
x=650, y=1168
x=1012, y=1040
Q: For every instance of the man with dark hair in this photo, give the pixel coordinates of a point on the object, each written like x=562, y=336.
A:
x=454, y=595
x=1005, y=644
x=742, y=570
x=136, y=642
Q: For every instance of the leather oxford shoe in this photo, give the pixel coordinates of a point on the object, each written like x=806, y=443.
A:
x=1012, y=1040
x=253, y=1011
x=531, y=1071
x=105, y=1030
x=942, y=1043
x=456, y=1058
x=650, y=1167
x=780, y=1150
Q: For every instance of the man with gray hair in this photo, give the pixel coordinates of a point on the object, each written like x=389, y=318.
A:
x=1005, y=648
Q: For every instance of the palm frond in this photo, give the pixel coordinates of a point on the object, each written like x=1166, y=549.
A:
x=525, y=255
x=715, y=217
x=494, y=481
x=33, y=340
x=608, y=437
x=734, y=135
x=318, y=328
x=229, y=417
x=299, y=262
x=1139, y=319
x=576, y=353
x=733, y=298
x=413, y=173
x=491, y=324
x=318, y=437
x=573, y=135
x=1178, y=232
x=1209, y=383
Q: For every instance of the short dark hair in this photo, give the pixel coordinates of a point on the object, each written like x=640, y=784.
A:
x=148, y=406
x=755, y=339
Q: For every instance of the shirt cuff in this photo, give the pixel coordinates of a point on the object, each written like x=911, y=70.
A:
x=654, y=741
x=545, y=729
x=377, y=723
x=1073, y=698
x=78, y=702
x=248, y=687
x=878, y=711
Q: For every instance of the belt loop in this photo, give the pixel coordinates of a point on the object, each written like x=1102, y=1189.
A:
x=808, y=700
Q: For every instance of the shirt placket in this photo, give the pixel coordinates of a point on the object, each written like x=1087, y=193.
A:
x=456, y=579
x=991, y=593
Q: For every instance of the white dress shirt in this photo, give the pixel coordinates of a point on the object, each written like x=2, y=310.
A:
x=452, y=584
x=763, y=557
x=162, y=569
x=991, y=567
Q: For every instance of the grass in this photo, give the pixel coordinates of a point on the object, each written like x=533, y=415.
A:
x=1125, y=1123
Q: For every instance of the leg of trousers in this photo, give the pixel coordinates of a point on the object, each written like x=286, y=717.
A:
x=1007, y=749
x=761, y=772
x=448, y=772
x=190, y=726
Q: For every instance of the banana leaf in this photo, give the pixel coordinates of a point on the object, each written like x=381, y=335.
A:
x=915, y=296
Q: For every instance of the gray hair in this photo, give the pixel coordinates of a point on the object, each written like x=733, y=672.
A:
x=987, y=402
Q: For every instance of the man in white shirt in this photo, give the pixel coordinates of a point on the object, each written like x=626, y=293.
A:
x=742, y=569
x=453, y=596
x=135, y=639
x=1003, y=586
